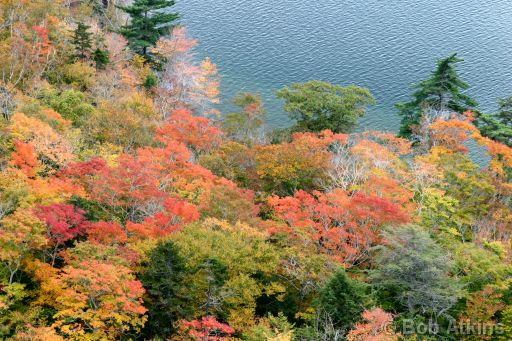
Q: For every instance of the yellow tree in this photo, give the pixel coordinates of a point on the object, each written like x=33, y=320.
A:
x=20, y=235
x=49, y=145
x=100, y=301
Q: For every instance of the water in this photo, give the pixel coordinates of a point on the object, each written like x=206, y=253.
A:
x=384, y=45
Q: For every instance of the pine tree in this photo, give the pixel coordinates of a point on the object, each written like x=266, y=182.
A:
x=150, y=19
x=497, y=126
x=101, y=58
x=82, y=40
x=441, y=92
x=505, y=110
x=163, y=277
x=341, y=301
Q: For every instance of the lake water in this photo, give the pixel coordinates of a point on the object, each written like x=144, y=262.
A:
x=385, y=45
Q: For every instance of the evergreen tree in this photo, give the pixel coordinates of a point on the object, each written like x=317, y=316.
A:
x=505, y=111
x=150, y=19
x=82, y=41
x=441, y=92
x=341, y=302
x=163, y=277
x=498, y=126
x=413, y=274
x=101, y=58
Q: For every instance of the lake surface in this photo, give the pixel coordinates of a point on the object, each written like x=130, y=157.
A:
x=385, y=45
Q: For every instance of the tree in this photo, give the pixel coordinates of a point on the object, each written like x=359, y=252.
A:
x=494, y=128
x=231, y=267
x=21, y=234
x=340, y=304
x=128, y=122
x=483, y=306
x=150, y=19
x=505, y=110
x=197, y=133
x=341, y=226
x=64, y=222
x=499, y=126
x=246, y=125
x=82, y=41
x=318, y=105
x=71, y=104
x=163, y=277
x=106, y=233
x=206, y=329
x=442, y=93
x=299, y=164
x=233, y=161
x=101, y=58
x=100, y=301
x=24, y=158
x=413, y=272
x=50, y=147
x=183, y=82
x=174, y=215
x=374, y=328
x=7, y=102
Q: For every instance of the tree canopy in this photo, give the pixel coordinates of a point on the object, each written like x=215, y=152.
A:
x=149, y=20
x=438, y=95
x=132, y=209
x=318, y=105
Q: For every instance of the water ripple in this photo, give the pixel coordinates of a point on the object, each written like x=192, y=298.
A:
x=262, y=45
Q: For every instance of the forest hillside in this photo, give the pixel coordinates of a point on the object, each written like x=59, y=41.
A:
x=132, y=209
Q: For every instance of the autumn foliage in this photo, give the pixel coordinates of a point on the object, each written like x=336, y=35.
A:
x=341, y=226
x=131, y=209
x=206, y=329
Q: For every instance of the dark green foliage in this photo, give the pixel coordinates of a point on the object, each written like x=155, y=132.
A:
x=318, y=105
x=150, y=19
x=505, y=110
x=150, y=81
x=101, y=58
x=443, y=91
x=497, y=127
x=163, y=279
x=82, y=41
x=94, y=211
x=491, y=127
x=341, y=302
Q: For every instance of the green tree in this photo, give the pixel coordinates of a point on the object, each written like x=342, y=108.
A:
x=505, y=110
x=231, y=268
x=412, y=274
x=506, y=323
x=101, y=58
x=443, y=91
x=163, y=278
x=499, y=126
x=71, y=104
x=82, y=40
x=340, y=303
x=491, y=127
x=150, y=19
x=318, y=105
